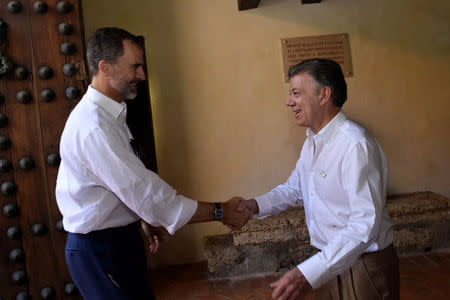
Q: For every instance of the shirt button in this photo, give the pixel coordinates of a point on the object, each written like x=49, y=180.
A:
x=312, y=194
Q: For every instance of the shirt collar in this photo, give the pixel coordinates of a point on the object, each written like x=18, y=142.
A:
x=329, y=129
x=113, y=107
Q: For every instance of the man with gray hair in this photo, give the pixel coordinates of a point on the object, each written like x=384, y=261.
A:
x=340, y=179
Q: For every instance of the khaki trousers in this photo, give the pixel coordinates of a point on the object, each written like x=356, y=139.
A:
x=374, y=276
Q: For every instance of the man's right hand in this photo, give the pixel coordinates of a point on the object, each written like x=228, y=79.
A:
x=249, y=204
x=237, y=212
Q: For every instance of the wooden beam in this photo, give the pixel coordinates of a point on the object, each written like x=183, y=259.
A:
x=248, y=4
x=310, y=1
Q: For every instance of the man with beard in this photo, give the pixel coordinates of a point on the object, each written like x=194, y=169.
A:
x=340, y=178
x=103, y=189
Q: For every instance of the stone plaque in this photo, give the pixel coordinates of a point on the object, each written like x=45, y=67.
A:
x=335, y=47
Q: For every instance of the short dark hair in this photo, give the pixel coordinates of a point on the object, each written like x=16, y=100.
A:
x=106, y=44
x=325, y=72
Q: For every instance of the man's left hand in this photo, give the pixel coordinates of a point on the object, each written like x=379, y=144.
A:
x=154, y=243
x=292, y=285
x=153, y=236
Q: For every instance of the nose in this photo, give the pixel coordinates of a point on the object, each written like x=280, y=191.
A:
x=289, y=101
x=140, y=74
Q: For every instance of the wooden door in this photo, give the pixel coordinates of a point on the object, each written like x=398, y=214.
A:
x=44, y=43
x=42, y=38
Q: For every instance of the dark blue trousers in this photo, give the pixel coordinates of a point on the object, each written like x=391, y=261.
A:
x=109, y=264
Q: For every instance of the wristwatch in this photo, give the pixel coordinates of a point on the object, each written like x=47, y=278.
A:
x=218, y=212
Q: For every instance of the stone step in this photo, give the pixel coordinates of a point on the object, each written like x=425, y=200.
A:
x=416, y=203
x=225, y=259
x=420, y=207
x=421, y=222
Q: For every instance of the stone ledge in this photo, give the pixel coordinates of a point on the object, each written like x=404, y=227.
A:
x=275, y=235
x=294, y=217
x=432, y=216
x=421, y=222
x=416, y=203
x=420, y=207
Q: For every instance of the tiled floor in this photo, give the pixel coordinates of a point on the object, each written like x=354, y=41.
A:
x=423, y=277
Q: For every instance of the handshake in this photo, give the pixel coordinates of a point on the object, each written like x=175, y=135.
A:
x=237, y=211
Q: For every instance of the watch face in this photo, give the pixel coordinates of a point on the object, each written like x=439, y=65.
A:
x=218, y=212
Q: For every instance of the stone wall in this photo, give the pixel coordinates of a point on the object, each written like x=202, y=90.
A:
x=421, y=223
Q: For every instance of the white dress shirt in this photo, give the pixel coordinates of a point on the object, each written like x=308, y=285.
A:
x=101, y=183
x=340, y=178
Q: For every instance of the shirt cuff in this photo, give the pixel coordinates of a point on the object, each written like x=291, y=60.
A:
x=264, y=206
x=314, y=271
x=188, y=207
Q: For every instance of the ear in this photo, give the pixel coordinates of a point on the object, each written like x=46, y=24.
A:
x=105, y=68
x=325, y=94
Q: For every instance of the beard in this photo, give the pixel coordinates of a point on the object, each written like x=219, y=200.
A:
x=127, y=90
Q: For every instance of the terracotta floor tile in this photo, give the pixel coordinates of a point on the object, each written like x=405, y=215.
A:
x=196, y=288
x=442, y=259
x=234, y=294
x=257, y=297
x=163, y=289
x=266, y=292
x=184, y=290
x=422, y=277
x=423, y=261
x=216, y=297
x=270, y=278
x=427, y=294
x=221, y=283
x=310, y=296
x=411, y=261
x=249, y=283
x=438, y=282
